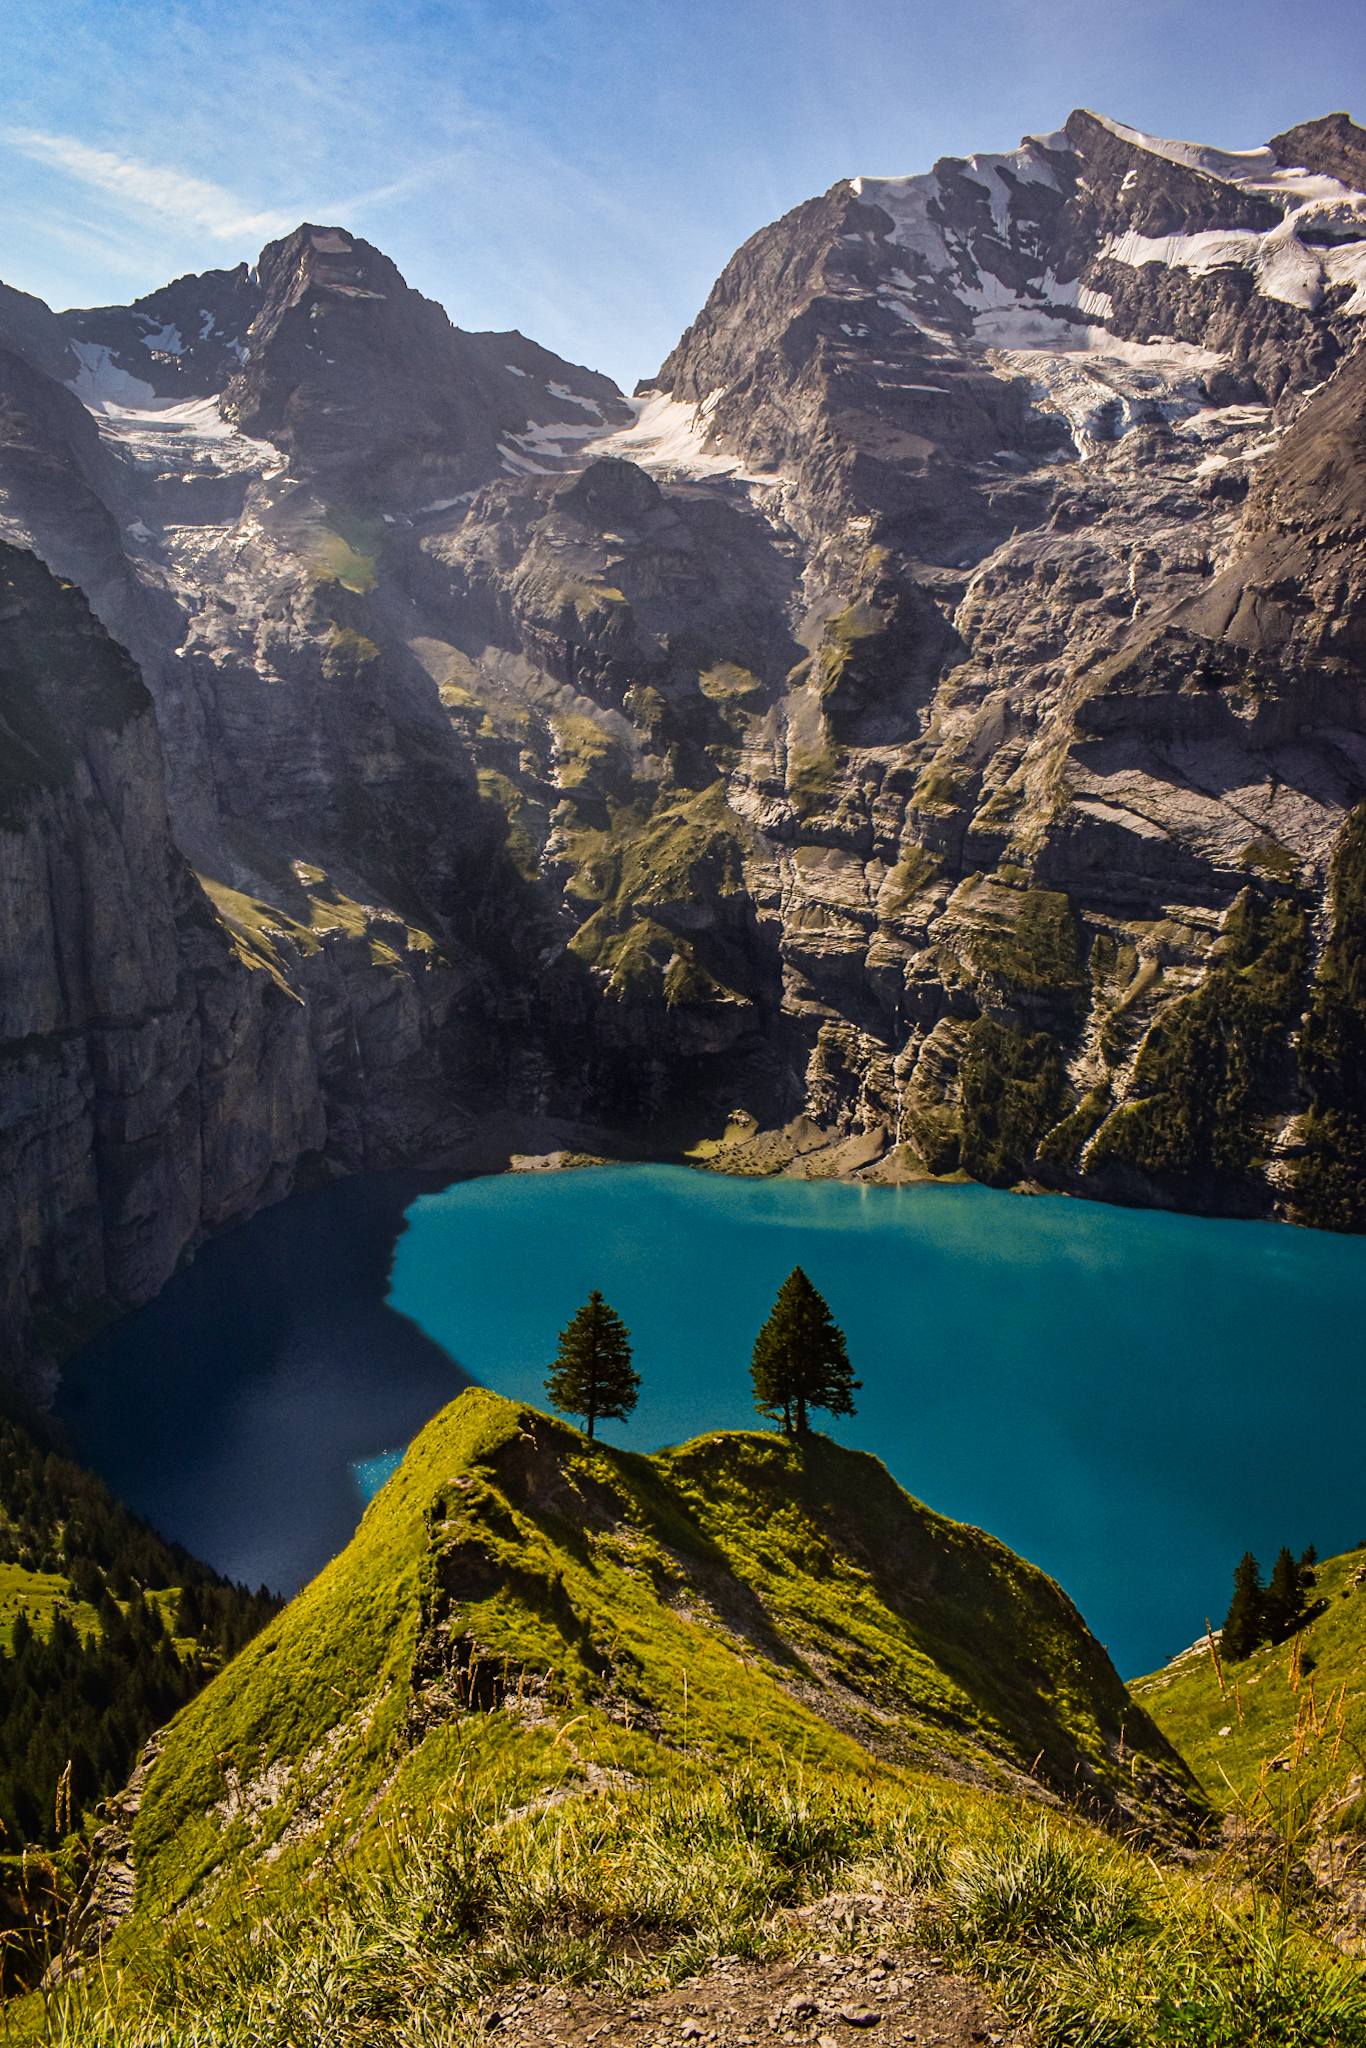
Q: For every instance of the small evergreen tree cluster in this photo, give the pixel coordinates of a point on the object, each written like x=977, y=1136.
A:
x=800, y=1362
x=1266, y=1614
x=83, y=1708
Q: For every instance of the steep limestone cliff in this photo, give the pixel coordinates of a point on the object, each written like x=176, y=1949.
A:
x=153, y=1084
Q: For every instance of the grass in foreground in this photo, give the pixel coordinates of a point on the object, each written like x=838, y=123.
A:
x=636, y=1889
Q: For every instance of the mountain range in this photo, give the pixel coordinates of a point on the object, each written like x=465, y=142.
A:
x=919, y=732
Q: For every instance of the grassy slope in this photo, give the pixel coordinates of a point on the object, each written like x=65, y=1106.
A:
x=733, y=1601
x=1295, y=1713
x=42, y=1595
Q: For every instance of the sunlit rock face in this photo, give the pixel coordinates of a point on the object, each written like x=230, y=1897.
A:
x=927, y=713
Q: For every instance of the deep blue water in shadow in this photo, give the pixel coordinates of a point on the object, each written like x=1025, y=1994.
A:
x=232, y=1409
x=1129, y=1399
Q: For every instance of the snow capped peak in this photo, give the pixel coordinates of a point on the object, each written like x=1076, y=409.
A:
x=1059, y=142
x=1236, y=167
x=1251, y=170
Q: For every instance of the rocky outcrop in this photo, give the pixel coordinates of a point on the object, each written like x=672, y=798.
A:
x=182, y=342
x=415, y=410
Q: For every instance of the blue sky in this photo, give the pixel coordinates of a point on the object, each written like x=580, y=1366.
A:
x=580, y=169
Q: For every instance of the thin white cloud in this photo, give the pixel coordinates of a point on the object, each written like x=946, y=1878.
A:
x=167, y=192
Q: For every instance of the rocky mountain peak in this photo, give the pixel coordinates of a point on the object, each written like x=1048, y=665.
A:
x=378, y=398
x=183, y=341
x=1333, y=146
x=1133, y=183
x=31, y=331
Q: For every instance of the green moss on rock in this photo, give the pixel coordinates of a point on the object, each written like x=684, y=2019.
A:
x=1036, y=947
x=1208, y=1061
x=1012, y=1091
x=1330, y=1177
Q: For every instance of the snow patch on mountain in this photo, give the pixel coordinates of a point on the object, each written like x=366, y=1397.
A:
x=100, y=382
x=1103, y=386
x=1236, y=166
x=189, y=437
x=568, y=397
x=1287, y=267
x=546, y=438
x=1004, y=315
x=166, y=341
x=671, y=437
x=1253, y=170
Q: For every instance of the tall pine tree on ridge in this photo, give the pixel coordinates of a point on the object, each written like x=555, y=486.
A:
x=800, y=1360
x=592, y=1375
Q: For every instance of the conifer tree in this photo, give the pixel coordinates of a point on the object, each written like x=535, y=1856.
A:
x=1244, y=1625
x=1284, y=1602
x=800, y=1360
x=592, y=1375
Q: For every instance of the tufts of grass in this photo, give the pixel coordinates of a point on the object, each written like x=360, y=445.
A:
x=1082, y=1937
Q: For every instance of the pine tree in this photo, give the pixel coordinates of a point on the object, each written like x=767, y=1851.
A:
x=592, y=1374
x=800, y=1360
x=1284, y=1602
x=189, y=1618
x=1244, y=1625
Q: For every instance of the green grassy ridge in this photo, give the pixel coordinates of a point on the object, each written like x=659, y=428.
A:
x=1288, y=1746
x=610, y=1770
x=739, y=1602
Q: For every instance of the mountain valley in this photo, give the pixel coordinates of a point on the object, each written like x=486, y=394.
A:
x=918, y=733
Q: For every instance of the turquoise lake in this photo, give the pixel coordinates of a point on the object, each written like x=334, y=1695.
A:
x=1129, y=1399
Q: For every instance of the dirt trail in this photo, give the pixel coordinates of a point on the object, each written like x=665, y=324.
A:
x=866, y=1994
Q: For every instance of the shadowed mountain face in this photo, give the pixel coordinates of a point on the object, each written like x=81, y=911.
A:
x=926, y=719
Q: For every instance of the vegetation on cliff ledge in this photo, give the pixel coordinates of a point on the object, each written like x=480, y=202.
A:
x=1206, y=1066
x=1330, y=1175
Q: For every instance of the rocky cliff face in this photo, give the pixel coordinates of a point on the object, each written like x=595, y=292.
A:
x=925, y=722
x=154, y=1084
